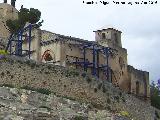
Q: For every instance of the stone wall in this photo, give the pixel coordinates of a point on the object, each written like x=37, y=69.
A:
x=68, y=82
x=6, y=12
x=139, y=82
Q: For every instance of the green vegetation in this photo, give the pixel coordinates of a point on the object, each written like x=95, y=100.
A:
x=24, y=15
x=125, y=113
x=83, y=75
x=40, y=90
x=88, y=79
x=109, y=101
x=157, y=114
x=79, y=118
x=7, y=85
x=155, y=95
x=95, y=90
x=49, y=109
x=72, y=72
x=104, y=89
x=99, y=86
x=3, y=52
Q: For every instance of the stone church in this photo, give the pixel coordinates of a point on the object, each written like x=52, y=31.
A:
x=105, y=58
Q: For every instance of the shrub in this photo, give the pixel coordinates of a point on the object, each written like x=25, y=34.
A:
x=157, y=115
x=99, y=86
x=27, y=88
x=124, y=113
x=123, y=99
x=95, y=90
x=7, y=85
x=72, y=73
x=32, y=65
x=116, y=98
x=78, y=118
x=12, y=76
x=109, y=101
x=43, y=91
x=83, y=75
x=88, y=79
x=104, y=89
x=40, y=90
x=109, y=108
x=49, y=67
x=27, y=62
x=120, y=94
x=49, y=109
x=2, y=74
x=8, y=72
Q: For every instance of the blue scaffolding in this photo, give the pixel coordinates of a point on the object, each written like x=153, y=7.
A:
x=95, y=63
x=16, y=40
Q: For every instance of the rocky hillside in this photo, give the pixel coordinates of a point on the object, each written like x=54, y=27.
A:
x=21, y=104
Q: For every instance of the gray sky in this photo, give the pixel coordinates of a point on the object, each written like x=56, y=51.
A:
x=140, y=26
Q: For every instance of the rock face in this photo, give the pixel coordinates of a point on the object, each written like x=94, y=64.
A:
x=21, y=104
x=22, y=73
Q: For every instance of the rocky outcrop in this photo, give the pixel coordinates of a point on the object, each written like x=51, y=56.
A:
x=24, y=73
x=21, y=104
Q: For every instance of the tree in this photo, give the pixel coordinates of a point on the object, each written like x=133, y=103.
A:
x=24, y=15
x=34, y=15
x=5, y=1
x=13, y=25
x=155, y=95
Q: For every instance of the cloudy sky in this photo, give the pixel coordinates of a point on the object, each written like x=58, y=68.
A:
x=140, y=25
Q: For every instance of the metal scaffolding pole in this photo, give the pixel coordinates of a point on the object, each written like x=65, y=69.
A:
x=17, y=40
x=30, y=35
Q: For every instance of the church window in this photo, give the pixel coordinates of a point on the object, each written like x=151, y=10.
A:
x=103, y=35
x=116, y=38
x=121, y=62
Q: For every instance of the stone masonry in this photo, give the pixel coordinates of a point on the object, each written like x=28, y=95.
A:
x=73, y=84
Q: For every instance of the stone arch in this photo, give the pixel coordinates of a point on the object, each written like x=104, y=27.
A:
x=48, y=56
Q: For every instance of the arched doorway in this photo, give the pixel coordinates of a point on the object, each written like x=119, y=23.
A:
x=48, y=57
x=137, y=88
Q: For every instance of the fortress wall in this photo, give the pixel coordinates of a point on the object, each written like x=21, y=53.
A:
x=8, y=12
x=139, y=81
x=118, y=63
x=64, y=53
x=69, y=82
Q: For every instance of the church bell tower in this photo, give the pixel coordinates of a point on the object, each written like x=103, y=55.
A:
x=108, y=37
